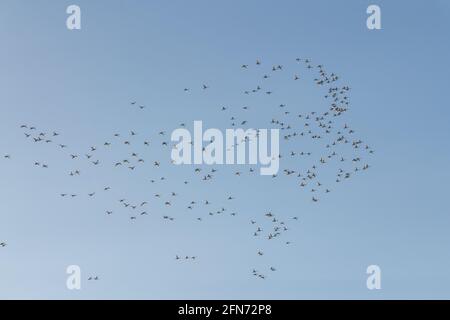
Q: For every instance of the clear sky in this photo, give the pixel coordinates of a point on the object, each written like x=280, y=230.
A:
x=80, y=84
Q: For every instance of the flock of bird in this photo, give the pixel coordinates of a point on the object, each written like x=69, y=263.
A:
x=325, y=129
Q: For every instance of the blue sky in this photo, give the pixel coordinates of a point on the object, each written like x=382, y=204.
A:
x=80, y=83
